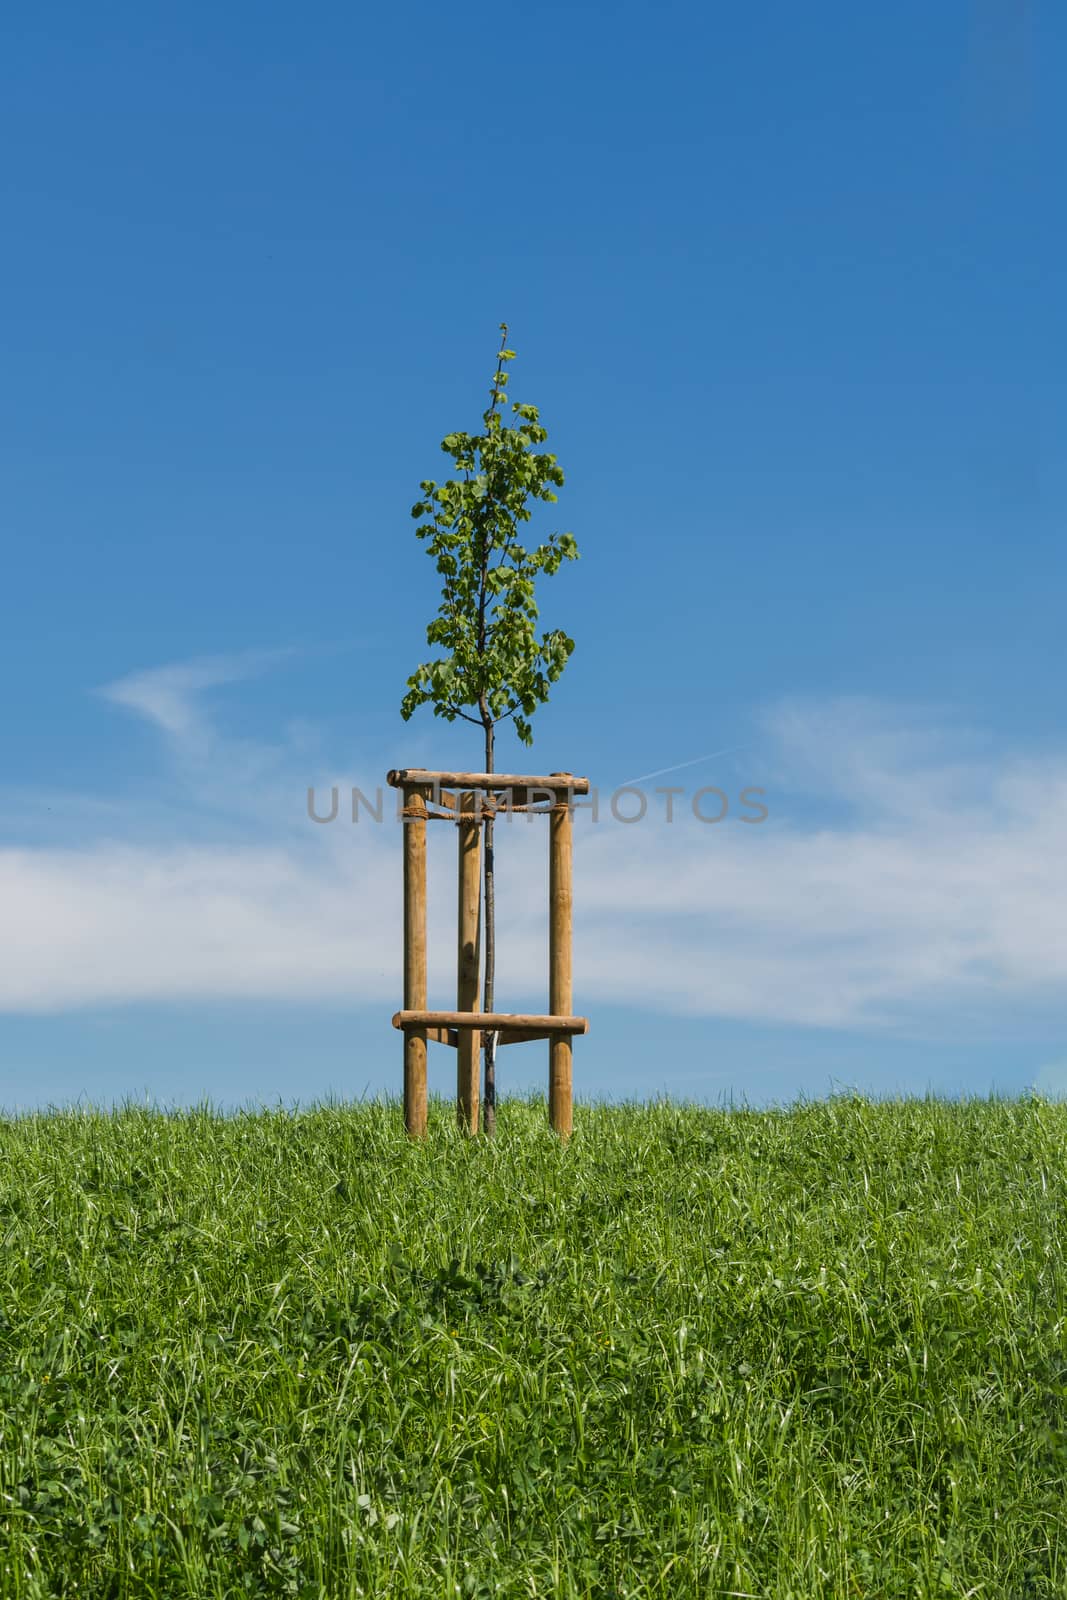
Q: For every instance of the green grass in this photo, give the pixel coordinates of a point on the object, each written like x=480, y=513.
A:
x=812, y=1352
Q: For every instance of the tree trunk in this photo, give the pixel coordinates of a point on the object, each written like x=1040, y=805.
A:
x=489, y=1039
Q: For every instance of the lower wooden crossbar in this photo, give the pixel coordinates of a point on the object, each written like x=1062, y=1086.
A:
x=444, y=1027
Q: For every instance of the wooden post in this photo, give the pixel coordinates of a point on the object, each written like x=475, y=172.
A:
x=560, y=998
x=415, y=957
x=468, y=963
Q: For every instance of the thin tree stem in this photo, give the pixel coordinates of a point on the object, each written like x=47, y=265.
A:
x=489, y=1088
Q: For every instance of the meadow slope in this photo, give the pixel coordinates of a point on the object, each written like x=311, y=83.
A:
x=820, y=1351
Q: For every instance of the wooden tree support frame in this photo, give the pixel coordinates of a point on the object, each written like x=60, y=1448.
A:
x=466, y=799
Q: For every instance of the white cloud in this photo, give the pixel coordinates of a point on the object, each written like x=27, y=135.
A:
x=111, y=925
x=938, y=897
x=169, y=696
x=942, y=891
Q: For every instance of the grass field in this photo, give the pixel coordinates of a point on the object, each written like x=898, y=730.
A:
x=812, y=1352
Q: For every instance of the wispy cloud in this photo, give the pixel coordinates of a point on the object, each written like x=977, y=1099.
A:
x=171, y=696
x=908, y=876
x=938, y=897
x=111, y=925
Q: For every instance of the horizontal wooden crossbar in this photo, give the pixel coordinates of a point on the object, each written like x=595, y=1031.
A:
x=490, y=1022
x=558, y=782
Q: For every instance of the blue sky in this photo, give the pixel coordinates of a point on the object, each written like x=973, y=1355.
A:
x=786, y=283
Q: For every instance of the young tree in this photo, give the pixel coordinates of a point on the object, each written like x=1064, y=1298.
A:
x=493, y=666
